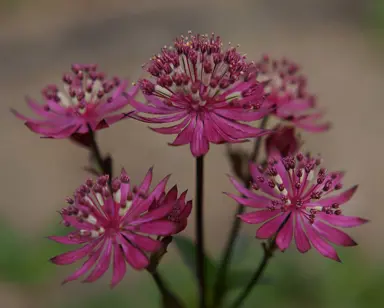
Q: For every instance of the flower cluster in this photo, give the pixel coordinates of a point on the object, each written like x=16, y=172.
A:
x=287, y=90
x=210, y=90
x=210, y=94
x=293, y=195
x=88, y=102
x=118, y=224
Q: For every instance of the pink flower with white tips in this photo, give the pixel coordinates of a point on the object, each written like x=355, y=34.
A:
x=205, y=90
x=297, y=192
x=287, y=90
x=87, y=102
x=118, y=225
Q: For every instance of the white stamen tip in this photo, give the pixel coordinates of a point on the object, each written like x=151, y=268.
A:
x=278, y=179
x=91, y=219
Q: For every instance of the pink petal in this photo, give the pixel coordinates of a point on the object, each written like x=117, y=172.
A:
x=160, y=119
x=211, y=132
x=87, y=265
x=341, y=220
x=144, y=186
x=119, y=265
x=160, y=227
x=243, y=115
x=103, y=263
x=149, y=109
x=301, y=239
x=268, y=229
x=175, y=129
x=311, y=127
x=263, y=201
x=134, y=256
x=143, y=242
x=246, y=201
x=320, y=245
x=186, y=211
x=284, y=238
x=158, y=213
x=74, y=255
x=199, y=143
x=185, y=136
x=258, y=217
x=339, y=199
x=333, y=235
x=67, y=239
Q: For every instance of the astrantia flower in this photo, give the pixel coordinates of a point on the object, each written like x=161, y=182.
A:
x=282, y=142
x=297, y=192
x=117, y=225
x=287, y=89
x=87, y=102
x=208, y=89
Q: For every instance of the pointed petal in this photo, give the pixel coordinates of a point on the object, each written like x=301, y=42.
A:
x=247, y=202
x=146, y=183
x=258, y=216
x=320, y=245
x=263, y=201
x=159, y=227
x=301, y=239
x=137, y=259
x=341, y=220
x=333, y=235
x=143, y=242
x=175, y=129
x=199, y=143
x=186, y=135
x=119, y=265
x=339, y=199
x=74, y=255
x=87, y=265
x=67, y=239
x=103, y=263
x=268, y=229
x=284, y=238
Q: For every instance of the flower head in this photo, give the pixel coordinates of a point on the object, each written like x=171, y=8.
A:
x=282, y=142
x=87, y=102
x=208, y=89
x=287, y=89
x=297, y=193
x=118, y=224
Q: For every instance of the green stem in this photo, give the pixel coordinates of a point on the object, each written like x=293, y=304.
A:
x=220, y=285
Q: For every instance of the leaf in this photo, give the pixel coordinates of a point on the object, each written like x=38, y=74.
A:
x=187, y=250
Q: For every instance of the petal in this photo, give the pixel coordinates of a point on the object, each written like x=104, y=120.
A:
x=137, y=259
x=103, y=263
x=119, y=265
x=85, y=267
x=341, y=220
x=146, y=183
x=248, y=193
x=74, y=255
x=160, y=119
x=320, y=245
x=159, y=227
x=311, y=127
x=175, y=129
x=158, y=213
x=143, y=242
x=333, y=235
x=339, y=199
x=185, y=136
x=301, y=239
x=284, y=238
x=247, y=202
x=211, y=132
x=150, y=109
x=68, y=239
x=243, y=115
x=258, y=217
x=199, y=143
x=268, y=229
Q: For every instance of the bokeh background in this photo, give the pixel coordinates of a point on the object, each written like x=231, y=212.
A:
x=337, y=42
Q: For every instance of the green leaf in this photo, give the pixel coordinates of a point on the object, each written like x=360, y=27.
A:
x=187, y=249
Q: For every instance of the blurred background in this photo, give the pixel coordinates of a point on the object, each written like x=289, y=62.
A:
x=337, y=42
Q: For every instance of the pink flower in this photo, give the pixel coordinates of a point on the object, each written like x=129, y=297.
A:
x=119, y=225
x=88, y=100
x=296, y=192
x=206, y=90
x=282, y=142
x=287, y=89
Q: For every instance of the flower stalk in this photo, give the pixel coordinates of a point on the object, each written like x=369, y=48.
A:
x=220, y=286
x=200, y=230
